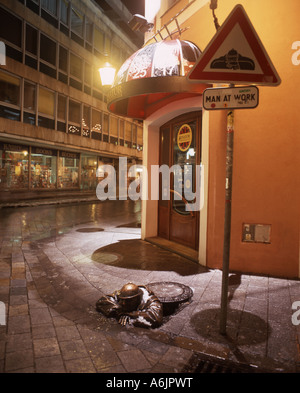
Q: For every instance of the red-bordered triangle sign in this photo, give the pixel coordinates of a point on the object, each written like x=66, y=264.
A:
x=235, y=55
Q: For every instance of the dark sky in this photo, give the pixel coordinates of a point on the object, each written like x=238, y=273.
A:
x=135, y=6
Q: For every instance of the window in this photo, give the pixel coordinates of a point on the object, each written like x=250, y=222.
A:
x=68, y=169
x=96, y=120
x=61, y=113
x=63, y=59
x=88, y=172
x=9, y=89
x=43, y=168
x=46, y=101
x=31, y=40
x=128, y=134
x=48, y=50
x=13, y=166
x=105, y=128
x=77, y=22
x=96, y=124
x=64, y=6
x=50, y=6
x=98, y=40
x=29, y=103
x=29, y=96
x=75, y=66
x=87, y=78
x=86, y=121
x=10, y=28
x=88, y=30
x=46, y=105
x=74, y=117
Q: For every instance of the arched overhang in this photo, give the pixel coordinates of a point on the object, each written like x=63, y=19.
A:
x=153, y=77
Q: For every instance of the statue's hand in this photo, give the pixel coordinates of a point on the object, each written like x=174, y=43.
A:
x=124, y=319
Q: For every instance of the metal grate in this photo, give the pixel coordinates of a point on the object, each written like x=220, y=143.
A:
x=202, y=364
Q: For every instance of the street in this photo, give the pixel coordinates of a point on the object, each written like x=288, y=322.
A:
x=56, y=262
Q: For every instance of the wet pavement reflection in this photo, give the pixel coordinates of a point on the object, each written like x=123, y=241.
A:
x=57, y=261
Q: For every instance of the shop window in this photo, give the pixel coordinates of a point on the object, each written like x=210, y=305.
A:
x=10, y=28
x=9, y=89
x=13, y=167
x=88, y=172
x=74, y=117
x=68, y=170
x=43, y=168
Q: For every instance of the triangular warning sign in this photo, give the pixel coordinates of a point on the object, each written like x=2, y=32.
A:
x=235, y=55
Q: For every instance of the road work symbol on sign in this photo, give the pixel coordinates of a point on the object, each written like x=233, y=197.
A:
x=231, y=98
x=235, y=55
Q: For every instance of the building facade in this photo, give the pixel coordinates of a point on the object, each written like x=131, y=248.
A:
x=55, y=130
x=265, y=214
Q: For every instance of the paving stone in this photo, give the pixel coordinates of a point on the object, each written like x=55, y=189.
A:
x=73, y=349
x=19, y=360
x=134, y=360
x=46, y=347
x=43, y=331
x=40, y=316
x=18, y=324
x=65, y=333
x=20, y=342
x=50, y=364
x=83, y=365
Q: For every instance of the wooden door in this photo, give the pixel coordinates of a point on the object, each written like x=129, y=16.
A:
x=180, y=142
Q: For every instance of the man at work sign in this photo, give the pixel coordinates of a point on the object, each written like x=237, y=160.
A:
x=231, y=98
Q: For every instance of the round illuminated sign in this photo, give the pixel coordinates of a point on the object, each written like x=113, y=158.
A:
x=184, y=137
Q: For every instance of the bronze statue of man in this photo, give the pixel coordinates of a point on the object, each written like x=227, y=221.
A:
x=132, y=304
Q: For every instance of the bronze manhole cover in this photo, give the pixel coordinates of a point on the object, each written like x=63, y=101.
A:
x=171, y=292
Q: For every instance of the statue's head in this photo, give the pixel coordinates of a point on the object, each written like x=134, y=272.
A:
x=129, y=297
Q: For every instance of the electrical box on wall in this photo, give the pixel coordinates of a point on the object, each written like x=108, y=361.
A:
x=256, y=233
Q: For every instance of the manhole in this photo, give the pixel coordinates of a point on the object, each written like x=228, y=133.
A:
x=172, y=295
x=171, y=292
x=89, y=230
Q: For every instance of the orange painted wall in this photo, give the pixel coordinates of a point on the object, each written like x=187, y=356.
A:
x=266, y=181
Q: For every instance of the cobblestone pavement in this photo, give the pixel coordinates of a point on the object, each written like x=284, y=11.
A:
x=55, y=263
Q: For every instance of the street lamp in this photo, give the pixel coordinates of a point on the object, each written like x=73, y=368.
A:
x=107, y=74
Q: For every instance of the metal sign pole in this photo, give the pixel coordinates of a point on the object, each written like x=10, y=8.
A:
x=227, y=223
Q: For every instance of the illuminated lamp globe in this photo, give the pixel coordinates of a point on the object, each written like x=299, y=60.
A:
x=107, y=74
